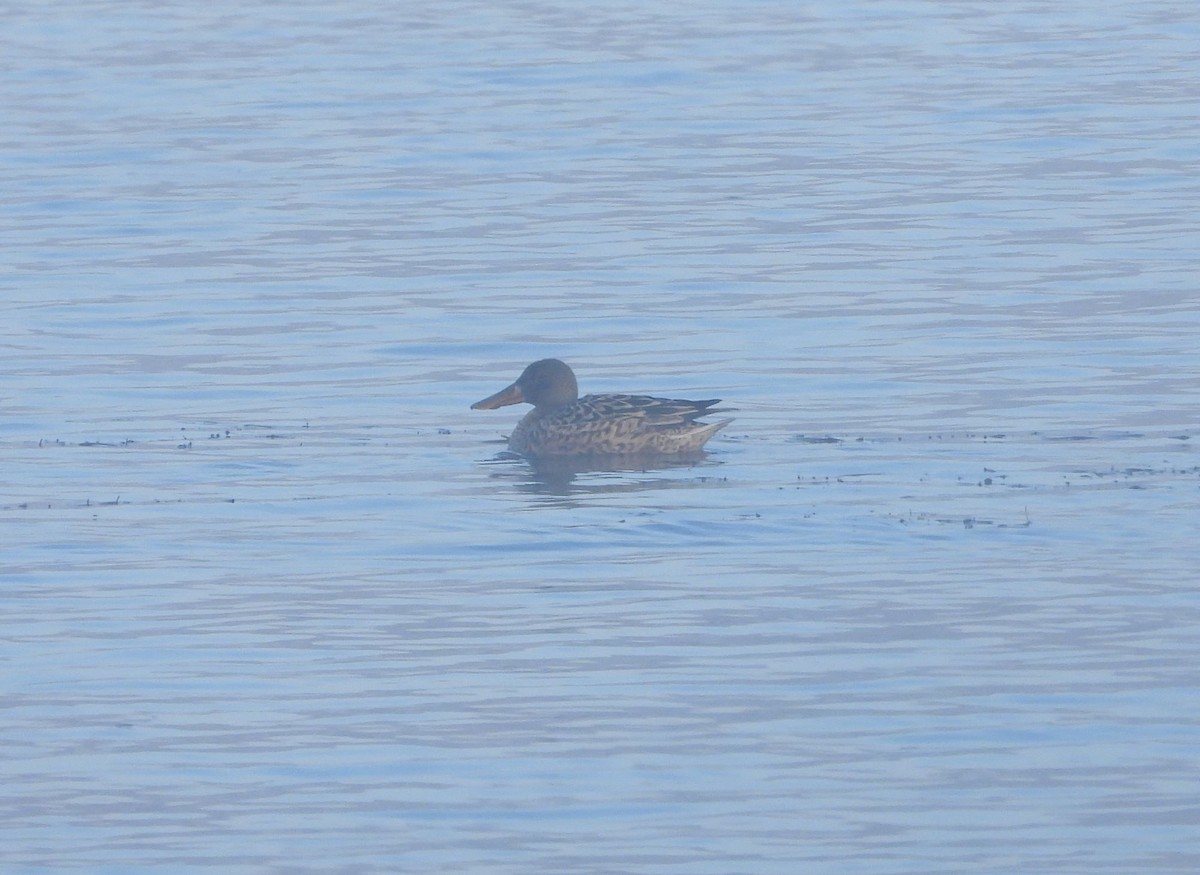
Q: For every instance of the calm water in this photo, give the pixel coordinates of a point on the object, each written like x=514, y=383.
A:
x=271, y=602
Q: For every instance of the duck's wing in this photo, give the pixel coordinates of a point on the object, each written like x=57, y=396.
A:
x=651, y=411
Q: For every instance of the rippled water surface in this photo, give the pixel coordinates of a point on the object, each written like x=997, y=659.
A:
x=274, y=603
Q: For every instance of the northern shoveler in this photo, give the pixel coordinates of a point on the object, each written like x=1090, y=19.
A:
x=563, y=424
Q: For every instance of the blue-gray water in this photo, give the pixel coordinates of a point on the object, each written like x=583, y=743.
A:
x=271, y=604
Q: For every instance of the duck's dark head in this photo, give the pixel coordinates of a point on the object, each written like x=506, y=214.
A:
x=545, y=383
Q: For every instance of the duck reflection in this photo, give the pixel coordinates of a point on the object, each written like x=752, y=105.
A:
x=596, y=475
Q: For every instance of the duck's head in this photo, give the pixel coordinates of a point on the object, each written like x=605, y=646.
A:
x=545, y=383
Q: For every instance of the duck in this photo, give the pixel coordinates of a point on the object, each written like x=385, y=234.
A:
x=562, y=424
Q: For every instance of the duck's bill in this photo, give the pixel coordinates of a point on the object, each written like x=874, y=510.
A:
x=510, y=395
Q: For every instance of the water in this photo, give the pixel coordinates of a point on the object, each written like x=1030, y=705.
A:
x=273, y=604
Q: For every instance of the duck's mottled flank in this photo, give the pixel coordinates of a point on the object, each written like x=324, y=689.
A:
x=563, y=424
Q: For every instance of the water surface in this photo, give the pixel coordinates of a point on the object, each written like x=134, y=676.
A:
x=273, y=603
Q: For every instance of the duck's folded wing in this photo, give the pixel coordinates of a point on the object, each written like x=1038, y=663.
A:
x=648, y=409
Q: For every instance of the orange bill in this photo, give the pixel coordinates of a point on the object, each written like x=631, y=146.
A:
x=509, y=395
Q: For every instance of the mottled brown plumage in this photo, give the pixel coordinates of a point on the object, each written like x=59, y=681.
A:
x=563, y=424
